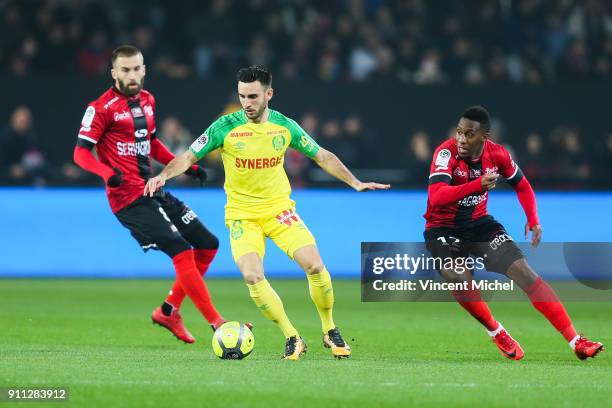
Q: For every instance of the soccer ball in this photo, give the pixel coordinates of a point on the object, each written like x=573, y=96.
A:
x=233, y=341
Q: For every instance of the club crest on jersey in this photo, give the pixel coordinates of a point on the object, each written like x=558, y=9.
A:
x=137, y=112
x=148, y=110
x=287, y=217
x=491, y=170
x=278, y=142
x=200, y=142
x=443, y=158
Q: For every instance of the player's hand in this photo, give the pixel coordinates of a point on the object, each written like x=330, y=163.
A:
x=371, y=186
x=488, y=181
x=116, y=179
x=536, y=234
x=154, y=184
x=198, y=174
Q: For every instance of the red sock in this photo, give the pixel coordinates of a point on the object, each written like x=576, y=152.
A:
x=545, y=300
x=190, y=280
x=471, y=301
x=203, y=259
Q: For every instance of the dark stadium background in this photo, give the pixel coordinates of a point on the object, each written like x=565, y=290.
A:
x=380, y=83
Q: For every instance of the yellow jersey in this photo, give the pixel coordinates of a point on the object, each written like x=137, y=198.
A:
x=256, y=184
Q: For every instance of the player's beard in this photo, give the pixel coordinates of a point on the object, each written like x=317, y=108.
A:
x=125, y=88
x=257, y=115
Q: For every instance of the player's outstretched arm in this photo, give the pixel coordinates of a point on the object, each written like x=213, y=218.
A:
x=160, y=152
x=332, y=165
x=177, y=166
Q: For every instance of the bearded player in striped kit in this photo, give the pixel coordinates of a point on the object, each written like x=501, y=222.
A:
x=120, y=126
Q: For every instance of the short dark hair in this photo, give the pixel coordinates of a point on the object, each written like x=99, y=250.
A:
x=255, y=73
x=478, y=114
x=124, y=51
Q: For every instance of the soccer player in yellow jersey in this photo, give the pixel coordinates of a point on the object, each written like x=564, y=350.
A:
x=253, y=142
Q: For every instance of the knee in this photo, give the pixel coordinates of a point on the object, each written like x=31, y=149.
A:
x=201, y=238
x=314, y=268
x=174, y=247
x=521, y=273
x=253, y=277
x=213, y=242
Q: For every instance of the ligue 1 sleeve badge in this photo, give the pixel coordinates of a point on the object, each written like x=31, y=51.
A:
x=88, y=117
x=200, y=142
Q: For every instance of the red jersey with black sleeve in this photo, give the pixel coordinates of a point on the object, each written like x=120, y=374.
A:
x=455, y=195
x=121, y=128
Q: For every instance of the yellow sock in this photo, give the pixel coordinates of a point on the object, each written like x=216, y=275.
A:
x=271, y=306
x=322, y=294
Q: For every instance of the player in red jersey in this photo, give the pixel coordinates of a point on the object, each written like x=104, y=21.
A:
x=120, y=124
x=464, y=170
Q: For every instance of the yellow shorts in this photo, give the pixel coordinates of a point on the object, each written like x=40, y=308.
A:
x=286, y=229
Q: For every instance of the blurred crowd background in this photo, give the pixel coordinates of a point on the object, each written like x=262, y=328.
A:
x=442, y=45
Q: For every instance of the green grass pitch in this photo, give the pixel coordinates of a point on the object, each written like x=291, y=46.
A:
x=95, y=337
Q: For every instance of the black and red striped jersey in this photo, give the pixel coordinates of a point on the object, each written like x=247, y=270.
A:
x=447, y=167
x=121, y=129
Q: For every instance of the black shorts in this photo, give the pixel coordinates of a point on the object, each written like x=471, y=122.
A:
x=162, y=222
x=486, y=238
